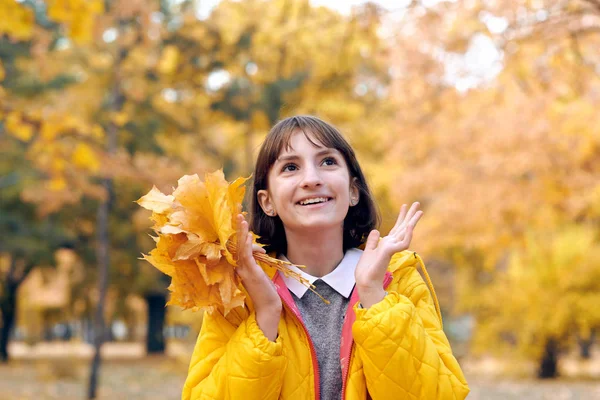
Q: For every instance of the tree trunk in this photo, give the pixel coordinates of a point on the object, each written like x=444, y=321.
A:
x=549, y=362
x=155, y=340
x=103, y=260
x=8, y=308
x=18, y=271
x=585, y=345
x=103, y=244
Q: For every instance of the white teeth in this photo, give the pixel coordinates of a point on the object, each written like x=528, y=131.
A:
x=312, y=201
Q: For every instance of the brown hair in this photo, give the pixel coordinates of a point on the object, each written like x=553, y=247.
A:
x=361, y=218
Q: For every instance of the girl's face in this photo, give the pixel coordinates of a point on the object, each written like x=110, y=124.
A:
x=309, y=186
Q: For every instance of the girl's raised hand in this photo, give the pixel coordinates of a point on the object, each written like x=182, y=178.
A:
x=374, y=261
x=262, y=291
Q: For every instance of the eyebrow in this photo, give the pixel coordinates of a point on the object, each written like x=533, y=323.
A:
x=295, y=157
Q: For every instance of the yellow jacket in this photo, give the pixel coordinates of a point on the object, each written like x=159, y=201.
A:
x=396, y=349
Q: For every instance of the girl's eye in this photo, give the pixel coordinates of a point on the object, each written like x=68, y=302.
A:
x=289, y=167
x=329, y=161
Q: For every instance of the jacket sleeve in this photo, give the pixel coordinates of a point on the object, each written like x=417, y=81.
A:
x=404, y=349
x=234, y=362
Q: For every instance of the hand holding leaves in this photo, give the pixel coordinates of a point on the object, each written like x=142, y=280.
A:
x=195, y=246
x=262, y=291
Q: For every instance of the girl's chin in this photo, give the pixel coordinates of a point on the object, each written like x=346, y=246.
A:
x=318, y=222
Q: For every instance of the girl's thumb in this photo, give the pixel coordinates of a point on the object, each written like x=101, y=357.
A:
x=372, y=240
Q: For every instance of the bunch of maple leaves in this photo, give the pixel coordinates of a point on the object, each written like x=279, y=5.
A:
x=196, y=242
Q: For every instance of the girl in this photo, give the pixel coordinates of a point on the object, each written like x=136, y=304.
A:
x=380, y=336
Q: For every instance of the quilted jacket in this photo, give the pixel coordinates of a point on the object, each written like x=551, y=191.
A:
x=395, y=349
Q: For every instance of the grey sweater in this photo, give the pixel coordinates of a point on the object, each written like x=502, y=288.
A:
x=324, y=324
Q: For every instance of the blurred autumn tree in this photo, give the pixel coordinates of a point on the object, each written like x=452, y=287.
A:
x=103, y=99
x=28, y=240
x=507, y=164
x=108, y=98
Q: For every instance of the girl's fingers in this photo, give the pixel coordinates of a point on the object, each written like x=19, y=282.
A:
x=250, y=258
x=372, y=240
x=247, y=267
x=240, y=220
x=412, y=211
x=407, y=238
x=415, y=218
x=401, y=231
x=238, y=235
x=241, y=238
x=248, y=244
x=399, y=235
x=404, y=217
x=406, y=231
x=399, y=220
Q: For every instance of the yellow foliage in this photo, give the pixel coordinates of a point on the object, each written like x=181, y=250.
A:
x=168, y=60
x=260, y=121
x=77, y=15
x=50, y=130
x=551, y=289
x=196, y=241
x=57, y=184
x=17, y=20
x=84, y=157
x=120, y=118
x=18, y=128
x=97, y=132
x=58, y=165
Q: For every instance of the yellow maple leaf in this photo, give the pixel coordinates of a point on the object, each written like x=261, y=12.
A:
x=211, y=275
x=196, y=241
x=196, y=247
x=195, y=214
x=156, y=201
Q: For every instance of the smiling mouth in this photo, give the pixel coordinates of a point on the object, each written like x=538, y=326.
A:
x=316, y=200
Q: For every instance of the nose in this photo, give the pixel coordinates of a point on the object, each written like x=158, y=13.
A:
x=311, y=177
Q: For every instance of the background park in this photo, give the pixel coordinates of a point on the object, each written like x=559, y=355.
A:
x=484, y=111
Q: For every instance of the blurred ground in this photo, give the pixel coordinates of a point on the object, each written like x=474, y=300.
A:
x=161, y=378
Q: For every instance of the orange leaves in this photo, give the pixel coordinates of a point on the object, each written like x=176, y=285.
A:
x=196, y=241
x=194, y=225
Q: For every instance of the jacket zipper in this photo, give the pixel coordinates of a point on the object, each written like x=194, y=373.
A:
x=347, y=328
x=289, y=302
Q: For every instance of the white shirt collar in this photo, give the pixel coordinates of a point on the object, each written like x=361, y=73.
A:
x=341, y=279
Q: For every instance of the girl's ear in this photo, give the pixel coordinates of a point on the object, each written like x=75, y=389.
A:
x=264, y=199
x=354, y=192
